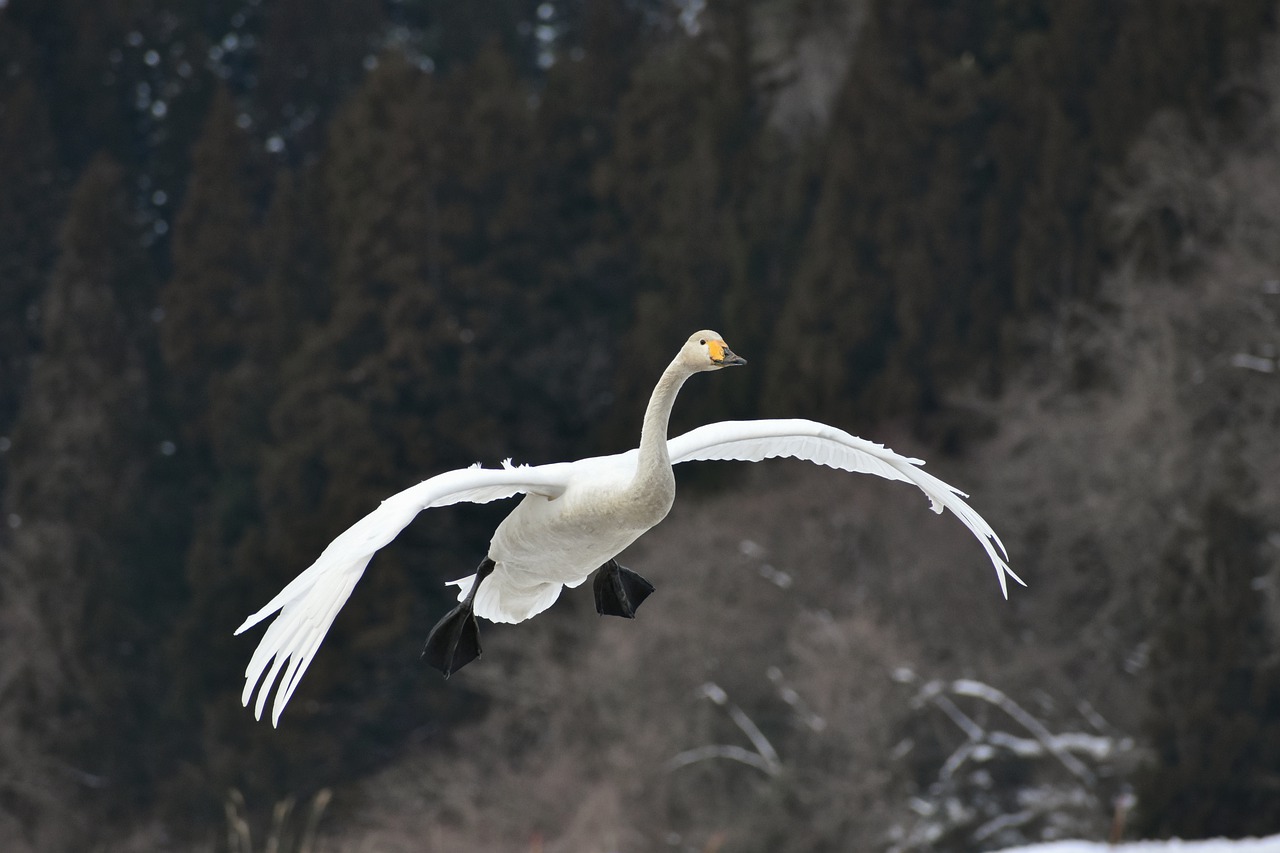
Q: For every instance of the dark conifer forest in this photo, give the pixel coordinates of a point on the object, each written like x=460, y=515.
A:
x=264, y=263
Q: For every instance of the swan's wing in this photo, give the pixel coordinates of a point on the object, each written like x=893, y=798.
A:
x=751, y=441
x=310, y=602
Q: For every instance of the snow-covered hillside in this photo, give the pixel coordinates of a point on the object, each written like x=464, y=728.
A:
x=1248, y=845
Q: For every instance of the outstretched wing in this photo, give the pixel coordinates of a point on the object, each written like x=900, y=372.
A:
x=310, y=602
x=751, y=441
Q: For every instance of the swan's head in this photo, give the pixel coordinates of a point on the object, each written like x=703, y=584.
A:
x=706, y=350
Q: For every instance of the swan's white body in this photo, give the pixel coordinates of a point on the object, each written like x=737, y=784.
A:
x=545, y=545
x=575, y=516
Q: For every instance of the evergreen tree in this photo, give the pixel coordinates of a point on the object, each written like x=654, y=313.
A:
x=239, y=300
x=32, y=197
x=963, y=183
x=209, y=300
x=703, y=184
x=456, y=35
x=412, y=366
x=128, y=78
x=587, y=260
x=312, y=53
x=1214, y=723
x=292, y=260
x=86, y=586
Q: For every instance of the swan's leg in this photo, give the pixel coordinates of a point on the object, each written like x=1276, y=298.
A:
x=619, y=591
x=455, y=640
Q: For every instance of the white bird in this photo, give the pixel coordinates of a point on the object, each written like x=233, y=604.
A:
x=574, y=519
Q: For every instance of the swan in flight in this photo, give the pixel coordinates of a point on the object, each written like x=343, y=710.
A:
x=575, y=518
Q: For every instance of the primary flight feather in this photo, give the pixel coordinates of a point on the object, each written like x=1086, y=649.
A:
x=574, y=519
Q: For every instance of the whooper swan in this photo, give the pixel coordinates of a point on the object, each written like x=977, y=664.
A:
x=574, y=519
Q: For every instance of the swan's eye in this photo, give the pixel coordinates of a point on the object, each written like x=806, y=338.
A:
x=704, y=343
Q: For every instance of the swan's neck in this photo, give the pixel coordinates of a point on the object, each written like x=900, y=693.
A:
x=653, y=467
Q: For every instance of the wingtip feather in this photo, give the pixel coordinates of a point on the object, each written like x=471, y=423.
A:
x=305, y=609
x=827, y=445
x=253, y=620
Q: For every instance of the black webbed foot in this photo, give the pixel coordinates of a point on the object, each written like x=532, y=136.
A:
x=619, y=591
x=455, y=640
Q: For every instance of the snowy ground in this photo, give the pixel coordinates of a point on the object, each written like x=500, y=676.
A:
x=1249, y=845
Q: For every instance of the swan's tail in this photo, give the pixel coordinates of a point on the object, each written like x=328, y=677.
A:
x=499, y=599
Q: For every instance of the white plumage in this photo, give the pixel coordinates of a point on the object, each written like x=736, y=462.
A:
x=575, y=517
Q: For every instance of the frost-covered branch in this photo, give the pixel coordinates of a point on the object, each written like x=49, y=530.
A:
x=965, y=805
x=987, y=693
x=815, y=722
x=765, y=757
x=729, y=751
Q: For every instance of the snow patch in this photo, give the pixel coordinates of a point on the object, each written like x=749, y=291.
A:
x=1270, y=844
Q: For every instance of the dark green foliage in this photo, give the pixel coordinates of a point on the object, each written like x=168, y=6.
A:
x=706, y=186
x=216, y=322
x=404, y=364
x=311, y=54
x=454, y=34
x=1215, y=687
x=587, y=257
x=31, y=204
x=88, y=582
x=963, y=181
x=226, y=323
x=210, y=301
x=106, y=92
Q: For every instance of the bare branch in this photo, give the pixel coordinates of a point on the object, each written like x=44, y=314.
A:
x=733, y=753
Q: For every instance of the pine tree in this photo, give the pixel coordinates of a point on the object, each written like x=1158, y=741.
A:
x=312, y=53
x=408, y=368
x=212, y=318
x=240, y=298
x=292, y=260
x=963, y=184
x=1214, y=687
x=125, y=78
x=702, y=181
x=586, y=262
x=32, y=199
x=87, y=584
x=456, y=35
x=209, y=300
